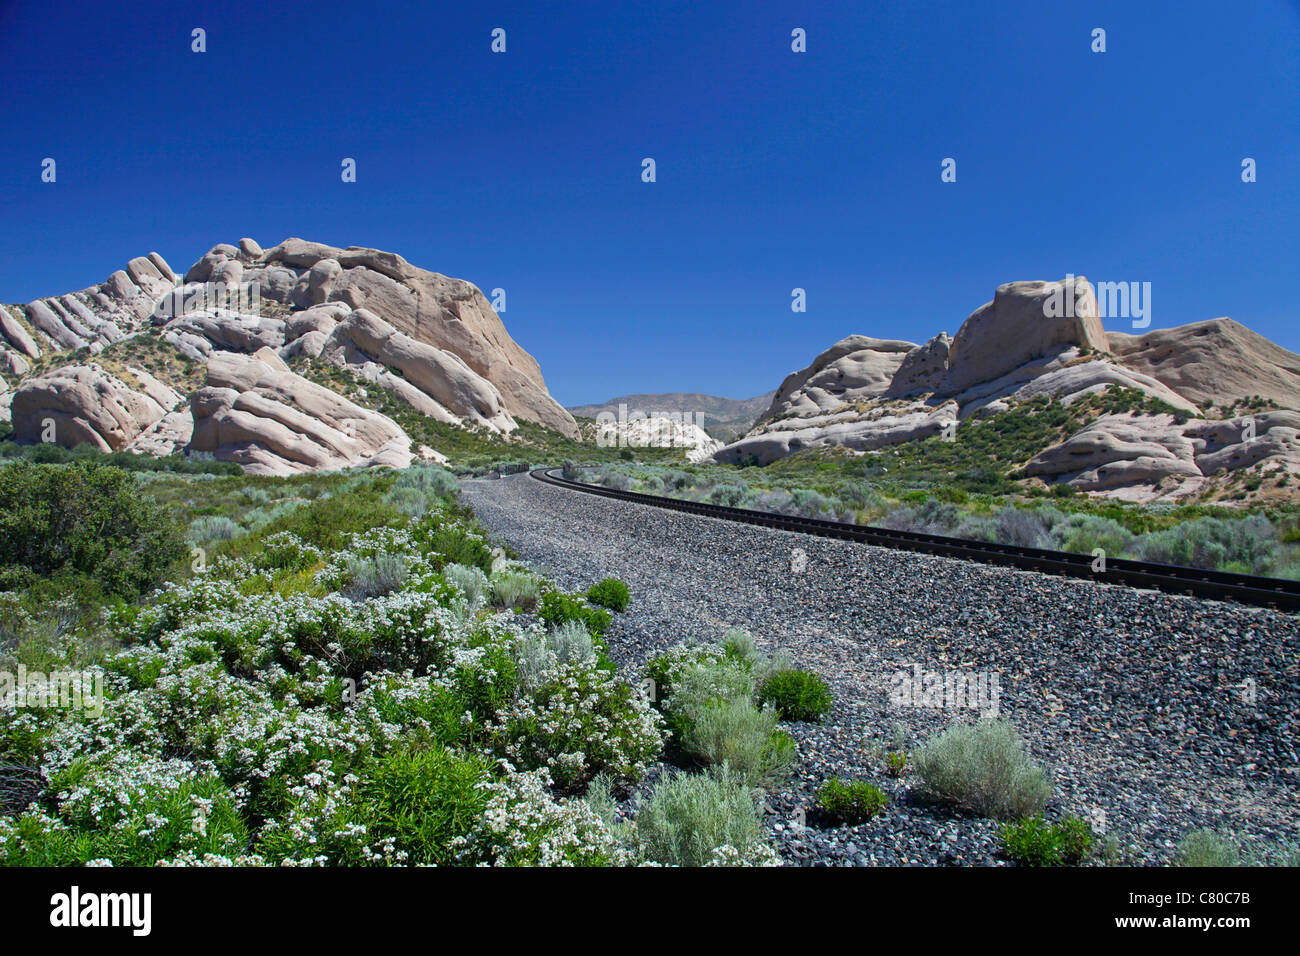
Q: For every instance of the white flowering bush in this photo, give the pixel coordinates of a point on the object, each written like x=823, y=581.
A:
x=279, y=707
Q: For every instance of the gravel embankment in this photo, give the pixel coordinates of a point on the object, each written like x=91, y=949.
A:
x=1138, y=701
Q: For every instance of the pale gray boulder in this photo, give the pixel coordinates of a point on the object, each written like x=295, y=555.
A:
x=85, y=403
x=256, y=412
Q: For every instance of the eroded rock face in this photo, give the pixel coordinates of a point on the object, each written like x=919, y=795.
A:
x=1020, y=325
x=84, y=403
x=1216, y=362
x=854, y=369
x=655, y=431
x=1045, y=339
x=880, y=427
x=448, y=388
x=1126, y=451
x=256, y=412
x=450, y=315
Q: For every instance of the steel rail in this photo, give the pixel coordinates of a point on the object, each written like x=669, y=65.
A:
x=1219, y=585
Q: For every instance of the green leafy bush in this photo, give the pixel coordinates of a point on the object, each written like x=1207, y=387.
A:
x=611, y=593
x=983, y=767
x=796, y=695
x=557, y=607
x=85, y=518
x=1032, y=842
x=452, y=544
x=850, y=803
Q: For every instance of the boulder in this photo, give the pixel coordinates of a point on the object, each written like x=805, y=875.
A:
x=87, y=405
x=1024, y=321
x=255, y=411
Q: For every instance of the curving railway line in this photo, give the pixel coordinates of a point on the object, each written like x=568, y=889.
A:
x=1219, y=585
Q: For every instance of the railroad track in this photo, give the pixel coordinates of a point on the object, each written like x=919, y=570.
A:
x=1219, y=585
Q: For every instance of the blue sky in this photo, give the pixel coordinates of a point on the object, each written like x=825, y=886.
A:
x=775, y=170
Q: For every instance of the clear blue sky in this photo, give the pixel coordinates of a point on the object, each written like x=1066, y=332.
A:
x=775, y=169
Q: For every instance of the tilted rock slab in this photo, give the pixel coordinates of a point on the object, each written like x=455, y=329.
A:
x=445, y=382
x=88, y=405
x=256, y=412
x=1216, y=362
x=448, y=314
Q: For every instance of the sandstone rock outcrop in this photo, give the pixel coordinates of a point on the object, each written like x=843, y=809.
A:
x=1216, y=362
x=655, y=431
x=1039, y=340
x=434, y=381
x=85, y=403
x=448, y=314
x=256, y=412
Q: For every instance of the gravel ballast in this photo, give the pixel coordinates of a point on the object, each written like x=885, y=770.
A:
x=1156, y=714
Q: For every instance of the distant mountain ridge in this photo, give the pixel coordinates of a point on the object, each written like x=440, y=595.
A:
x=723, y=418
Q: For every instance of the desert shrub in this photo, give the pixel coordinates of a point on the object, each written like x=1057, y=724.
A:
x=932, y=516
x=703, y=820
x=376, y=575
x=429, y=479
x=739, y=734
x=730, y=496
x=1022, y=527
x=409, y=501
x=515, y=589
x=611, y=593
x=452, y=544
x=1213, y=543
x=983, y=767
x=471, y=581
x=977, y=528
x=331, y=522
x=850, y=803
x=577, y=720
x=525, y=825
x=1081, y=533
x=85, y=518
x=213, y=528
x=813, y=504
x=859, y=494
x=152, y=816
x=557, y=607
x=796, y=695
x=619, y=481
x=1032, y=842
x=702, y=684
x=779, y=501
x=1207, y=847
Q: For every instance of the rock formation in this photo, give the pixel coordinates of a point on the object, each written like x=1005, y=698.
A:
x=256, y=412
x=1045, y=340
x=433, y=341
